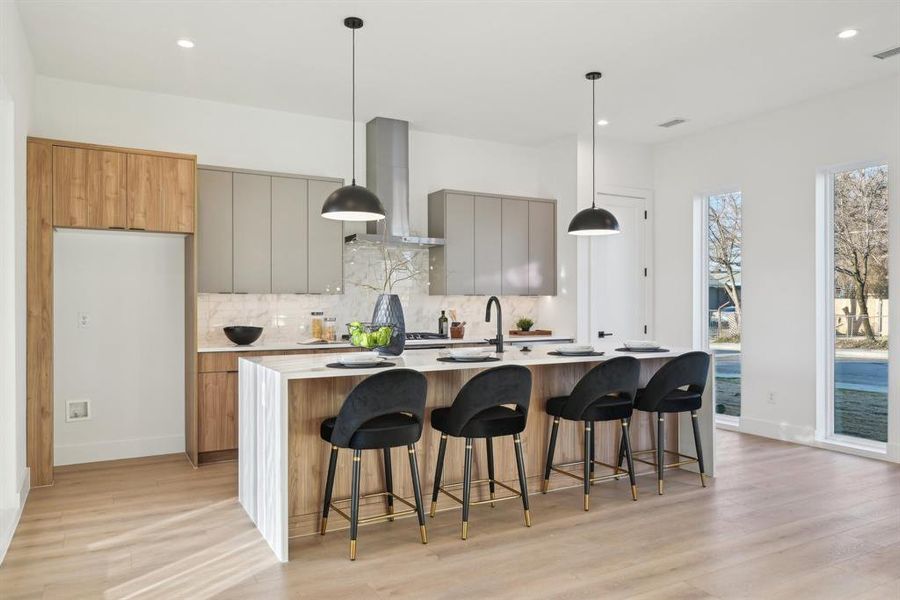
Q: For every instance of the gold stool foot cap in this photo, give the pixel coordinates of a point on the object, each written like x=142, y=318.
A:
x=527, y=518
x=493, y=497
x=659, y=487
x=423, y=534
x=433, y=509
x=545, y=486
x=324, y=526
x=465, y=530
x=634, y=492
x=587, y=502
x=702, y=480
x=352, y=549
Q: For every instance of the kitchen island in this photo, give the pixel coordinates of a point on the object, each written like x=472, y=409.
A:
x=283, y=400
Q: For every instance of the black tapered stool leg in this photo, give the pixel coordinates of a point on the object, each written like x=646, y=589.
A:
x=695, y=421
x=551, y=448
x=621, y=458
x=389, y=482
x=438, y=472
x=626, y=444
x=587, y=465
x=523, y=481
x=593, y=446
x=329, y=486
x=417, y=491
x=467, y=489
x=354, y=502
x=660, y=451
x=490, y=461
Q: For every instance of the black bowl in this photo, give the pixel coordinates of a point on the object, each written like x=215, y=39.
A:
x=243, y=335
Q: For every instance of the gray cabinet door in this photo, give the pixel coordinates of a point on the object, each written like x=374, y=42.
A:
x=252, y=233
x=326, y=243
x=541, y=248
x=514, y=246
x=214, y=235
x=488, y=267
x=459, y=246
x=290, y=222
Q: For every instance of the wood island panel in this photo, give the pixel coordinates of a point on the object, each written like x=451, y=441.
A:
x=313, y=400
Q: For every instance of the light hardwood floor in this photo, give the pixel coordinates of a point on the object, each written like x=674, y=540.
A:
x=780, y=521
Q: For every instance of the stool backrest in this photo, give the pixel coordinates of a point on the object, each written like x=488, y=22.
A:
x=618, y=376
x=386, y=393
x=509, y=384
x=689, y=371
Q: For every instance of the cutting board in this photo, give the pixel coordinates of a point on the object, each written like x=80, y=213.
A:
x=532, y=332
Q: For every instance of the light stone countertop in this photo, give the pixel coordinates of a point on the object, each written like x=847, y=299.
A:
x=277, y=346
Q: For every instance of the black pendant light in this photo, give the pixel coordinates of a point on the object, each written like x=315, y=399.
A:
x=353, y=202
x=593, y=220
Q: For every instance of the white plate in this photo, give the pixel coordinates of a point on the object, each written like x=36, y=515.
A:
x=361, y=358
x=468, y=353
x=642, y=344
x=575, y=349
x=471, y=357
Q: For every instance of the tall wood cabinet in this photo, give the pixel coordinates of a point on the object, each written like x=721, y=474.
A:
x=493, y=244
x=264, y=233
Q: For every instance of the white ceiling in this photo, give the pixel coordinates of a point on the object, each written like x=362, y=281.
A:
x=509, y=71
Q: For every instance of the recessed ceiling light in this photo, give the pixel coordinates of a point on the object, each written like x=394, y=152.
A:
x=602, y=122
x=185, y=43
x=847, y=34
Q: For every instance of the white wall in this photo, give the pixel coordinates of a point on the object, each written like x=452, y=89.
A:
x=16, y=81
x=773, y=159
x=129, y=360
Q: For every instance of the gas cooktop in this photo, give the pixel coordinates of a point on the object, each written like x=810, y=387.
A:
x=424, y=335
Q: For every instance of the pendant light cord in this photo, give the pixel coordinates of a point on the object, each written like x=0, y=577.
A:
x=353, y=104
x=594, y=143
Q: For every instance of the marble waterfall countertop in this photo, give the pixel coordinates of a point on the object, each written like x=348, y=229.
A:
x=278, y=346
x=311, y=366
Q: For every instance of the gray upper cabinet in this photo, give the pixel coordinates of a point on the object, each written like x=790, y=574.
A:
x=290, y=219
x=263, y=233
x=252, y=233
x=541, y=248
x=488, y=264
x=214, y=234
x=326, y=243
x=514, y=245
x=492, y=245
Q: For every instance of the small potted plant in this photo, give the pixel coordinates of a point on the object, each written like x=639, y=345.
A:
x=524, y=324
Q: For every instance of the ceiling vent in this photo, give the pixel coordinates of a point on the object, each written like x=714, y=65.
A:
x=673, y=123
x=888, y=53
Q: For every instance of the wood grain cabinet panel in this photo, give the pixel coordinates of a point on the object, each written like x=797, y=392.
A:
x=161, y=193
x=218, y=411
x=89, y=188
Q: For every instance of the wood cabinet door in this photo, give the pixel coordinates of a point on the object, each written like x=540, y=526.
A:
x=488, y=267
x=88, y=188
x=252, y=233
x=459, y=243
x=541, y=248
x=214, y=232
x=514, y=246
x=290, y=237
x=326, y=243
x=218, y=411
x=161, y=193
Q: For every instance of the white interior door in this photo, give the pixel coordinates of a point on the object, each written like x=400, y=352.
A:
x=618, y=288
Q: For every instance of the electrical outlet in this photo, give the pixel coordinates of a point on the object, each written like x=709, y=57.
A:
x=78, y=410
x=84, y=320
x=771, y=397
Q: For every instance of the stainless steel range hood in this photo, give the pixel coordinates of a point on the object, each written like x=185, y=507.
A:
x=387, y=175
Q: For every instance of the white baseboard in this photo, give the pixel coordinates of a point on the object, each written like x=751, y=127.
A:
x=9, y=518
x=74, y=454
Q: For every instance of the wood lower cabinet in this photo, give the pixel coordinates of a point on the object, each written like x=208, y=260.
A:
x=89, y=188
x=161, y=193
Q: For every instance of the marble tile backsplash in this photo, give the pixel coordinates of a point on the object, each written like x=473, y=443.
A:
x=285, y=317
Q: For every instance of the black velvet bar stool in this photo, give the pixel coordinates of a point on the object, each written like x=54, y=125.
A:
x=492, y=404
x=675, y=388
x=605, y=393
x=383, y=411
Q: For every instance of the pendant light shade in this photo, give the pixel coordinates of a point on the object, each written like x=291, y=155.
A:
x=593, y=220
x=353, y=202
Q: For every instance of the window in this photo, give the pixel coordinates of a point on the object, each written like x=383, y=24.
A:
x=857, y=326
x=720, y=313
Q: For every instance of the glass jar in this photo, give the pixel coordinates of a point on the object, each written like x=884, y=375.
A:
x=317, y=325
x=330, y=329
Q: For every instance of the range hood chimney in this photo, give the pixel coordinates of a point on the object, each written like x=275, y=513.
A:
x=387, y=176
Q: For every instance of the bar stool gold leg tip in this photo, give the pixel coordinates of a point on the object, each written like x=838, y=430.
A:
x=324, y=526
x=659, y=487
x=423, y=533
x=545, y=487
x=433, y=510
x=527, y=518
x=702, y=480
x=352, y=549
x=587, y=502
x=493, y=497
x=634, y=493
x=465, y=530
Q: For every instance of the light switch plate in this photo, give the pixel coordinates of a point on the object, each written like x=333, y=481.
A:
x=78, y=410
